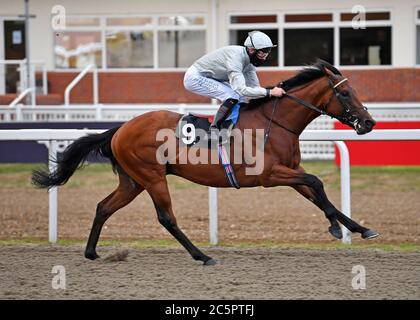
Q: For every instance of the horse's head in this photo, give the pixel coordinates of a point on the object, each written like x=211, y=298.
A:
x=341, y=102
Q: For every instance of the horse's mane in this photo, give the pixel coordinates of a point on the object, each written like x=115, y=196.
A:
x=309, y=73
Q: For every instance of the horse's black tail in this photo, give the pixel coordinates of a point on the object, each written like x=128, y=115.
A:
x=73, y=158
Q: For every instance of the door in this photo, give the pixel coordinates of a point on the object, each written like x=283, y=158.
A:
x=14, y=49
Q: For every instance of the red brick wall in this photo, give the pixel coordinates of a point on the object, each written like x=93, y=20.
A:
x=378, y=85
x=126, y=87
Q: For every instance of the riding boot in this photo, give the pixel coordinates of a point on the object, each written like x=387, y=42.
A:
x=220, y=116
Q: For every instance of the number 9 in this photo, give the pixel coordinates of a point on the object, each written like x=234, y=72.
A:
x=189, y=134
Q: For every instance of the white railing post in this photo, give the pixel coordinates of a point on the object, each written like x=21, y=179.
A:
x=44, y=80
x=22, y=75
x=74, y=82
x=19, y=115
x=32, y=80
x=95, y=86
x=33, y=99
x=345, y=186
x=7, y=116
x=213, y=216
x=98, y=112
x=52, y=193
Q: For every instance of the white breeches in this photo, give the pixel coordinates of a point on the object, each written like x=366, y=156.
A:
x=196, y=83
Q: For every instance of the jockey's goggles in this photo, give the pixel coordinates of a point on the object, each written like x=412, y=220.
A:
x=263, y=53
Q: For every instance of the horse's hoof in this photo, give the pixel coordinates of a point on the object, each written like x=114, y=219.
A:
x=210, y=262
x=91, y=255
x=369, y=234
x=336, y=232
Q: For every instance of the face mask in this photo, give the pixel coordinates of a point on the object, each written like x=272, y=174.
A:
x=259, y=57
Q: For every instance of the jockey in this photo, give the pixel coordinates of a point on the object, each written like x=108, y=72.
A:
x=229, y=75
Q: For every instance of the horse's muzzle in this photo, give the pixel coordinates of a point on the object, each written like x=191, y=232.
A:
x=365, y=126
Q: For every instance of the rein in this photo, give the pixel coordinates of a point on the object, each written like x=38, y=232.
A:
x=316, y=109
x=346, y=118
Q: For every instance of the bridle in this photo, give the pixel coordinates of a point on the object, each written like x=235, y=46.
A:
x=348, y=116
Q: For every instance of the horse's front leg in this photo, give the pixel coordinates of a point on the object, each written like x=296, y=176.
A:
x=310, y=194
x=284, y=176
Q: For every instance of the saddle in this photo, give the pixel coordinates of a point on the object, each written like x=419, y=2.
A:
x=192, y=129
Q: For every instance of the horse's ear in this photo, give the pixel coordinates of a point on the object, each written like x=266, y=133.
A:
x=328, y=72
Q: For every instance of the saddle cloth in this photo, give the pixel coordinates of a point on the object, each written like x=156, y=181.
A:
x=192, y=129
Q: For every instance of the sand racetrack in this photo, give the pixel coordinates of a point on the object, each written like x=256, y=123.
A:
x=241, y=274
x=385, y=200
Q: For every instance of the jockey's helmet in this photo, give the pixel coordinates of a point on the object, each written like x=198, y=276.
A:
x=261, y=43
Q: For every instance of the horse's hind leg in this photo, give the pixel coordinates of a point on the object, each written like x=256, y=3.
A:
x=310, y=194
x=162, y=201
x=126, y=191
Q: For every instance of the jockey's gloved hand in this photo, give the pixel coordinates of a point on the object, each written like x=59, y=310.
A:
x=277, y=92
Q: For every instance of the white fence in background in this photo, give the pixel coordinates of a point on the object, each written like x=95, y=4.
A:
x=22, y=68
x=125, y=112
x=338, y=136
x=321, y=150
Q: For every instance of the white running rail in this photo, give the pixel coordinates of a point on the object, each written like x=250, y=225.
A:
x=338, y=136
x=320, y=150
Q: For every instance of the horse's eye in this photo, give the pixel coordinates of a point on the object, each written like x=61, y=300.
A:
x=345, y=94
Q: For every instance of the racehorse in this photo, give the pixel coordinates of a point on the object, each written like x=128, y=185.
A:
x=317, y=89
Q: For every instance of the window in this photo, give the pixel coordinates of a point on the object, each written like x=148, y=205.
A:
x=78, y=49
x=318, y=17
x=367, y=45
x=313, y=38
x=370, y=46
x=129, y=49
x=129, y=21
x=179, y=48
x=304, y=36
x=129, y=41
x=180, y=21
x=418, y=38
x=302, y=46
x=82, y=22
x=254, y=19
x=370, y=16
x=418, y=44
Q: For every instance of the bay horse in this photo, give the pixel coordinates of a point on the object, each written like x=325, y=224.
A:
x=317, y=89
